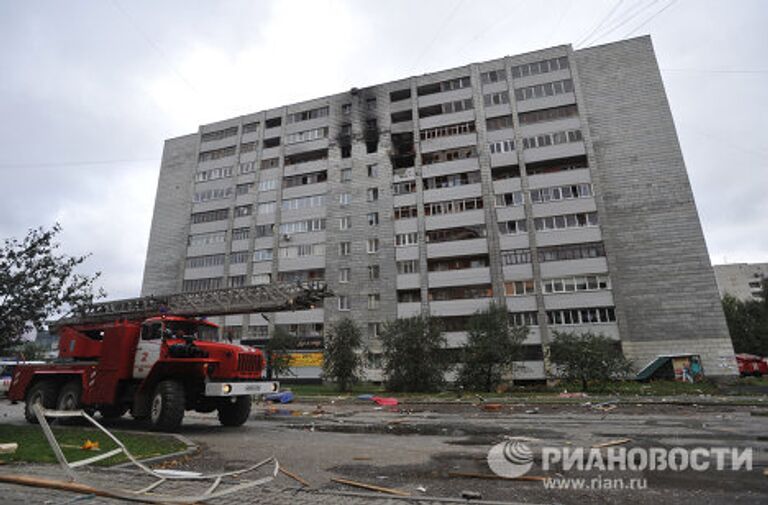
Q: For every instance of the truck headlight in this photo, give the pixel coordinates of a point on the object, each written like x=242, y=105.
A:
x=226, y=389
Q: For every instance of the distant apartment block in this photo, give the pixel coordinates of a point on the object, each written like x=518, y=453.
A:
x=742, y=280
x=551, y=182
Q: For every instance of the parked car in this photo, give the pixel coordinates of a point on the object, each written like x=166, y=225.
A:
x=751, y=365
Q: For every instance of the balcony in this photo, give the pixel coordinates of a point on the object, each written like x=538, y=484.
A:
x=467, y=276
x=458, y=307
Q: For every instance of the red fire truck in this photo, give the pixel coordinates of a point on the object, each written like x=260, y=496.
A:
x=146, y=356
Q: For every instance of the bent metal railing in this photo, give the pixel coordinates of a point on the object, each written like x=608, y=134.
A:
x=146, y=494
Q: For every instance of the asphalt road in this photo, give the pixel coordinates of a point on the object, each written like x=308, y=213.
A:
x=418, y=447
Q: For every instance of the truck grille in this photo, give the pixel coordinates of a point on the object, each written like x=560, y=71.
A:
x=249, y=363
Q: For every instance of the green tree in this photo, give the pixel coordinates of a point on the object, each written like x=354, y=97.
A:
x=413, y=353
x=37, y=284
x=493, y=345
x=587, y=357
x=278, y=352
x=342, y=361
x=30, y=351
x=748, y=323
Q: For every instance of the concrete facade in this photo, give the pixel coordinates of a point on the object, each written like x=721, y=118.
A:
x=742, y=280
x=551, y=182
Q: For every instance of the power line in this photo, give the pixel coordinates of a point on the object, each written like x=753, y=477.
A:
x=437, y=33
x=629, y=15
x=670, y=4
x=601, y=23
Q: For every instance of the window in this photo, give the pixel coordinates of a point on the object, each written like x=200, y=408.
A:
x=519, y=288
x=346, y=109
x=553, y=114
x=343, y=302
x=241, y=233
x=449, y=155
x=211, y=260
x=556, y=193
x=262, y=255
x=219, y=134
x=345, y=248
x=345, y=199
x=268, y=185
x=457, y=263
x=596, y=282
x=406, y=212
x=210, y=216
x=524, y=318
x=268, y=163
x=453, y=234
x=493, y=76
x=273, y=122
x=452, y=180
x=346, y=175
x=306, y=157
x=453, y=206
x=260, y=279
x=243, y=189
x=239, y=257
x=370, y=104
x=516, y=257
x=373, y=170
x=265, y=230
x=553, y=166
x=305, y=179
x=446, y=108
x=400, y=94
x=549, y=139
x=243, y=210
x=343, y=275
x=448, y=131
x=303, y=226
x=460, y=292
x=372, y=194
x=271, y=142
x=579, y=220
x=215, y=237
x=513, y=227
x=591, y=315
x=409, y=296
x=213, y=174
x=304, y=202
x=542, y=90
x=247, y=167
x=266, y=208
x=373, y=219
x=307, y=135
x=299, y=251
x=306, y=115
x=540, y=67
x=251, y=127
x=373, y=245
x=373, y=272
x=213, y=194
x=449, y=85
x=403, y=188
x=498, y=123
x=374, y=301
x=406, y=239
x=505, y=172
x=571, y=252
x=401, y=116
x=346, y=151
x=374, y=330
x=236, y=281
x=408, y=267
x=217, y=154
x=248, y=147
x=193, y=285
x=502, y=146
x=495, y=98
x=345, y=223
x=514, y=199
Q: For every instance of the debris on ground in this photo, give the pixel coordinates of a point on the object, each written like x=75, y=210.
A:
x=370, y=487
x=491, y=407
x=90, y=445
x=566, y=394
x=421, y=489
x=280, y=397
x=471, y=495
x=8, y=448
x=611, y=443
x=366, y=397
x=384, y=401
x=294, y=477
x=532, y=411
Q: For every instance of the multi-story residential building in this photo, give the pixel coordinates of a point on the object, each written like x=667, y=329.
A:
x=551, y=182
x=742, y=280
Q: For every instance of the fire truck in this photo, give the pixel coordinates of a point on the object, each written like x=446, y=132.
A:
x=150, y=356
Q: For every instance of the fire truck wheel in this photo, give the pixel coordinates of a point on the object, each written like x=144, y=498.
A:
x=69, y=399
x=166, y=409
x=44, y=393
x=235, y=411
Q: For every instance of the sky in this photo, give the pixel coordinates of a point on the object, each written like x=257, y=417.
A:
x=89, y=90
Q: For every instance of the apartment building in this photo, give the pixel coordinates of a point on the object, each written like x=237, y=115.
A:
x=742, y=280
x=551, y=182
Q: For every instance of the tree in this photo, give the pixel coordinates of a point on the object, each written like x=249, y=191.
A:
x=342, y=361
x=748, y=323
x=30, y=351
x=37, y=284
x=278, y=351
x=491, y=350
x=586, y=357
x=414, y=358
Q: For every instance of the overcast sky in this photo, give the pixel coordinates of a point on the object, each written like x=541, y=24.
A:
x=90, y=89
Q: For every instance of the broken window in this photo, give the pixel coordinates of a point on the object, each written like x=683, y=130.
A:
x=271, y=142
x=402, y=116
x=273, y=122
x=401, y=94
